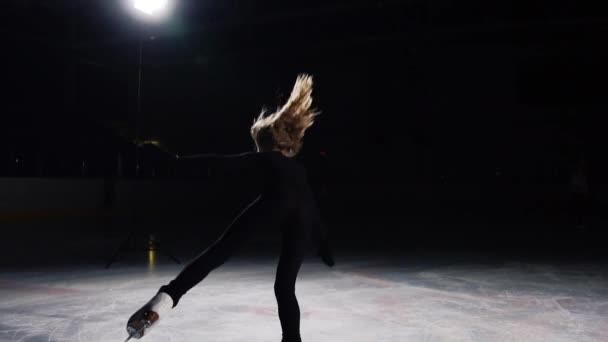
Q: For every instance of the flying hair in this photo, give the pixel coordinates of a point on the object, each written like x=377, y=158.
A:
x=284, y=129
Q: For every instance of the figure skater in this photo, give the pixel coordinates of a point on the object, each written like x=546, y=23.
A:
x=285, y=204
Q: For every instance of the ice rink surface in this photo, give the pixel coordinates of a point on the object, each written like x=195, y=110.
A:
x=361, y=299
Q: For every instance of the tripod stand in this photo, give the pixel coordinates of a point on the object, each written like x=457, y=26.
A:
x=151, y=243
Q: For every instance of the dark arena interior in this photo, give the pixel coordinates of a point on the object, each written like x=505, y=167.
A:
x=457, y=165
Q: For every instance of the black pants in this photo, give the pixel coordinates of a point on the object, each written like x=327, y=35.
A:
x=296, y=240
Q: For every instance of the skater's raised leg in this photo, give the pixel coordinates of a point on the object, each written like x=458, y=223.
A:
x=237, y=234
x=259, y=213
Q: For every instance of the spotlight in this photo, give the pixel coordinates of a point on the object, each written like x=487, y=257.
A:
x=151, y=7
x=149, y=10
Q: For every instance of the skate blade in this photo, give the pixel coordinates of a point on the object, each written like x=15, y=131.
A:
x=136, y=333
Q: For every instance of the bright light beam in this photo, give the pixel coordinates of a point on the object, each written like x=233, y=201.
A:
x=151, y=7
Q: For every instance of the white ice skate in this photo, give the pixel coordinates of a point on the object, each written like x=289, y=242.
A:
x=145, y=318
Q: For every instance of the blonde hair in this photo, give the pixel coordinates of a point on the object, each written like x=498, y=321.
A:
x=284, y=129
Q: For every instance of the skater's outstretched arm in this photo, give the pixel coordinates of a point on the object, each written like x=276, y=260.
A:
x=248, y=164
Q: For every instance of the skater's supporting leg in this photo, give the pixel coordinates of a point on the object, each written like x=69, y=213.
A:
x=242, y=228
x=292, y=254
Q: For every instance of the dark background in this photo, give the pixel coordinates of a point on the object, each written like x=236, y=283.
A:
x=453, y=124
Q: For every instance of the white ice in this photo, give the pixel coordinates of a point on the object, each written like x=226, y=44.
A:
x=359, y=300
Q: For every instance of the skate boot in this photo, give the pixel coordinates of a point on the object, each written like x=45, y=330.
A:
x=145, y=318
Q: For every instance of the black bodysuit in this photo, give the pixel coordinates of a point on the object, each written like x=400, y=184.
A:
x=285, y=203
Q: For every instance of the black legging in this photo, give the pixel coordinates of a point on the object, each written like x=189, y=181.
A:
x=296, y=231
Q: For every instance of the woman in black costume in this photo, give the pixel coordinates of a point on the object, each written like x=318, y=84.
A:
x=285, y=203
